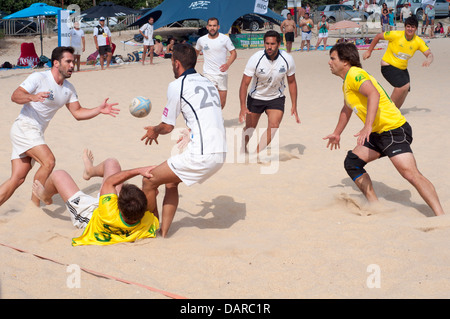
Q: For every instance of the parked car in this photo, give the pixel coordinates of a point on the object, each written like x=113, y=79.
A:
x=441, y=7
x=18, y=27
x=252, y=22
x=338, y=12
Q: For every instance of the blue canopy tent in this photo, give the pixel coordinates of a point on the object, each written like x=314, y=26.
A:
x=226, y=11
x=35, y=10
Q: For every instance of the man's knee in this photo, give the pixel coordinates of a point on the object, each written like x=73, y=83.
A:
x=354, y=165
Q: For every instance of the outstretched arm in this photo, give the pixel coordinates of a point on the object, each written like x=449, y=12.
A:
x=368, y=53
x=429, y=59
x=335, y=137
x=154, y=131
x=110, y=183
x=81, y=113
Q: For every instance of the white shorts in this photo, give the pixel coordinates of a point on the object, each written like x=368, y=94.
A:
x=192, y=168
x=81, y=207
x=149, y=42
x=77, y=51
x=323, y=35
x=219, y=80
x=306, y=36
x=24, y=136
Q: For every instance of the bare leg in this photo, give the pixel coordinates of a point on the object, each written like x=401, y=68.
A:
x=44, y=156
x=59, y=182
x=151, y=54
x=274, y=119
x=144, y=54
x=223, y=98
x=19, y=170
x=398, y=96
x=364, y=182
x=162, y=175
x=170, y=204
x=251, y=121
x=406, y=165
x=102, y=60
x=108, y=59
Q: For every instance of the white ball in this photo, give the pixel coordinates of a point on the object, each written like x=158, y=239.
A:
x=140, y=106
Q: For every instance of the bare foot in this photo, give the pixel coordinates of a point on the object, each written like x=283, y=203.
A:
x=39, y=191
x=88, y=159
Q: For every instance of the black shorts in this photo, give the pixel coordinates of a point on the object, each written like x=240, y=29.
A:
x=393, y=142
x=260, y=106
x=289, y=36
x=396, y=77
x=104, y=49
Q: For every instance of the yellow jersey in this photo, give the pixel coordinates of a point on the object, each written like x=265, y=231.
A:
x=107, y=227
x=388, y=116
x=400, y=50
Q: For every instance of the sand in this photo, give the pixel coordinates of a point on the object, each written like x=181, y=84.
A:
x=295, y=228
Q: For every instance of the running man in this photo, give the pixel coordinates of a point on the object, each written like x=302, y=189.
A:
x=215, y=47
x=268, y=68
x=385, y=133
x=118, y=215
x=401, y=47
x=42, y=95
x=197, y=99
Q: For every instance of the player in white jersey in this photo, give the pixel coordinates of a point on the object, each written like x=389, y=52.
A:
x=147, y=32
x=197, y=99
x=215, y=47
x=42, y=95
x=268, y=68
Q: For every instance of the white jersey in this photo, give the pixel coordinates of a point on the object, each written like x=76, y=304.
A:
x=75, y=37
x=214, y=52
x=198, y=100
x=268, y=76
x=42, y=112
x=102, y=34
x=147, y=30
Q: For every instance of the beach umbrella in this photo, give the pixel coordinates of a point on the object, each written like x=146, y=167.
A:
x=107, y=9
x=35, y=10
x=344, y=24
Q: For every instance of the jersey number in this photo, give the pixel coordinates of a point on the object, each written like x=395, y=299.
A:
x=208, y=96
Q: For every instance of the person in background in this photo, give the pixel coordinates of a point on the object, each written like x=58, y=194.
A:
x=77, y=42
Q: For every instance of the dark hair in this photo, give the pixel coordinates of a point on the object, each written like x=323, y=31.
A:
x=132, y=202
x=272, y=33
x=212, y=19
x=348, y=52
x=186, y=54
x=58, y=53
x=412, y=21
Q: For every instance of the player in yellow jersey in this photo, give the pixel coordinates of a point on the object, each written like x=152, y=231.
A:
x=385, y=131
x=120, y=214
x=401, y=47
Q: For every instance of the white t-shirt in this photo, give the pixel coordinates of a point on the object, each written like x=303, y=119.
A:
x=198, y=100
x=268, y=76
x=103, y=36
x=75, y=37
x=147, y=29
x=214, y=52
x=42, y=112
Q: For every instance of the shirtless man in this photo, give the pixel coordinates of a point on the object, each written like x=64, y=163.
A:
x=306, y=24
x=289, y=30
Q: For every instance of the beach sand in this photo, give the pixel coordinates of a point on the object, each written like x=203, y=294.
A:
x=294, y=228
